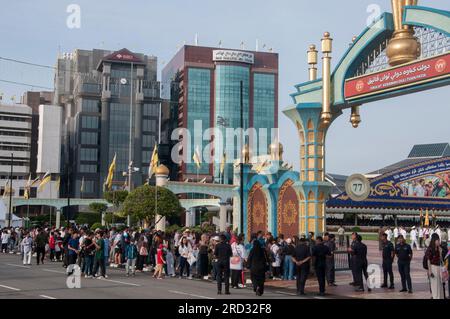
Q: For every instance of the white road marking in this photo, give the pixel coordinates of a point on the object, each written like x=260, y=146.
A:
x=46, y=297
x=15, y=265
x=121, y=282
x=187, y=294
x=11, y=288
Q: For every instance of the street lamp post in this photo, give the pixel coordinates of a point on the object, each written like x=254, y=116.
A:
x=241, y=164
x=10, y=192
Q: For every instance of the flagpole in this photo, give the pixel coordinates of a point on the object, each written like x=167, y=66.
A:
x=10, y=192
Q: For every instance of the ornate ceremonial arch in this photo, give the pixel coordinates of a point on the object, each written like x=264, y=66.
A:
x=400, y=53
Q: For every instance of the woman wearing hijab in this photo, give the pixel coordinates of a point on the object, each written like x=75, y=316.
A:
x=257, y=263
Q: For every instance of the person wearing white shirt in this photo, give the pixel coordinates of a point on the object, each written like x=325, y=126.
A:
x=395, y=233
x=5, y=241
x=421, y=237
x=388, y=233
x=413, y=235
x=437, y=230
x=185, y=251
x=26, y=248
x=237, y=261
x=403, y=232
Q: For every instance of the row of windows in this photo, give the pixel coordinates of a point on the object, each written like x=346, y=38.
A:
x=150, y=110
x=88, y=168
x=91, y=106
x=148, y=141
x=199, y=92
x=88, y=154
x=90, y=122
x=89, y=138
x=15, y=119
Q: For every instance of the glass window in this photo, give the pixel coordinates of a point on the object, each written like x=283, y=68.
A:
x=228, y=100
x=150, y=110
x=264, y=102
x=88, y=186
x=199, y=108
x=148, y=141
x=88, y=168
x=92, y=106
x=119, y=136
x=89, y=138
x=89, y=122
x=149, y=125
x=88, y=154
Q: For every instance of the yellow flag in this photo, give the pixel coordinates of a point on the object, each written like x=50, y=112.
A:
x=26, y=193
x=427, y=219
x=58, y=184
x=196, y=157
x=222, y=163
x=153, y=162
x=7, y=189
x=44, y=181
x=109, y=178
x=82, y=185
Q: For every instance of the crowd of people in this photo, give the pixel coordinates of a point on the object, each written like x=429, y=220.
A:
x=227, y=258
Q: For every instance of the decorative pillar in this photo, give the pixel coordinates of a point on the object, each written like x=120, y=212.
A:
x=103, y=219
x=162, y=177
x=223, y=216
x=312, y=119
x=58, y=218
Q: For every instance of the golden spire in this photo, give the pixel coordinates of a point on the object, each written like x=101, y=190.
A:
x=403, y=46
x=355, y=118
x=312, y=61
x=326, y=79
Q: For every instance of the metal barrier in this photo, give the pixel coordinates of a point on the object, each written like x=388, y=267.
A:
x=341, y=255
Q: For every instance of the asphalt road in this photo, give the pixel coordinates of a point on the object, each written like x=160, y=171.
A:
x=48, y=281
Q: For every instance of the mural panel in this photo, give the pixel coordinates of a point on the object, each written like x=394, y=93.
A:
x=257, y=210
x=288, y=210
x=425, y=185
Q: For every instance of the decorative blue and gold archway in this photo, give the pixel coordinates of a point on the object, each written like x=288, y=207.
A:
x=400, y=53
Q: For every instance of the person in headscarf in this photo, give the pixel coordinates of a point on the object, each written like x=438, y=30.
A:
x=257, y=263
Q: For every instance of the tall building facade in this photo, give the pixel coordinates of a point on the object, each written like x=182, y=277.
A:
x=15, y=139
x=104, y=94
x=204, y=84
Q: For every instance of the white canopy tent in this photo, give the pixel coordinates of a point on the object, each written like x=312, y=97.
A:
x=15, y=221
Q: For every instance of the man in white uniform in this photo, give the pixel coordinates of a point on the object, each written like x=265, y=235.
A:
x=414, y=241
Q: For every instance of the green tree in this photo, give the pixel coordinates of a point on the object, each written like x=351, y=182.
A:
x=115, y=197
x=141, y=203
x=99, y=208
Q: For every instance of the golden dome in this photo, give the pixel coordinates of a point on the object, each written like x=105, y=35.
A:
x=162, y=170
x=276, y=151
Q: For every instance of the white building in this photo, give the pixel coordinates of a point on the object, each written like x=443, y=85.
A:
x=15, y=139
x=49, y=148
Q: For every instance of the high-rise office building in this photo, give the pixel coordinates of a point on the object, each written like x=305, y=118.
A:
x=103, y=94
x=204, y=84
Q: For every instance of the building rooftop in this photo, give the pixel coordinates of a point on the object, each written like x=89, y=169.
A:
x=419, y=153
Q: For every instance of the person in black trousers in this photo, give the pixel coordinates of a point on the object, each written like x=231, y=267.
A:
x=320, y=252
x=222, y=253
x=258, y=264
x=388, y=253
x=404, y=255
x=40, y=242
x=301, y=258
x=358, y=261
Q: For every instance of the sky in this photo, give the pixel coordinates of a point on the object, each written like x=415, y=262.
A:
x=36, y=30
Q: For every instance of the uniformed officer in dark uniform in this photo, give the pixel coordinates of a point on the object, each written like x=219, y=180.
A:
x=301, y=259
x=222, y=252
x=351, y=252
x=320, y=252
x=388, y=253
x=404, y=254
x=358, y=262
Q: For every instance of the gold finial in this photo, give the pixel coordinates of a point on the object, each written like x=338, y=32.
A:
x=354, y=38
x=276, y=151
x=246, y=154
x=403, y=46
x=312, y=61
x=355, y=117
x=326, y=79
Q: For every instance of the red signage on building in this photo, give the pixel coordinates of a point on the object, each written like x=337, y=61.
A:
x=398, y=77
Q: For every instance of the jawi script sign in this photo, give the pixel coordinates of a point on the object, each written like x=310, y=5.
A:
x=403, y=76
